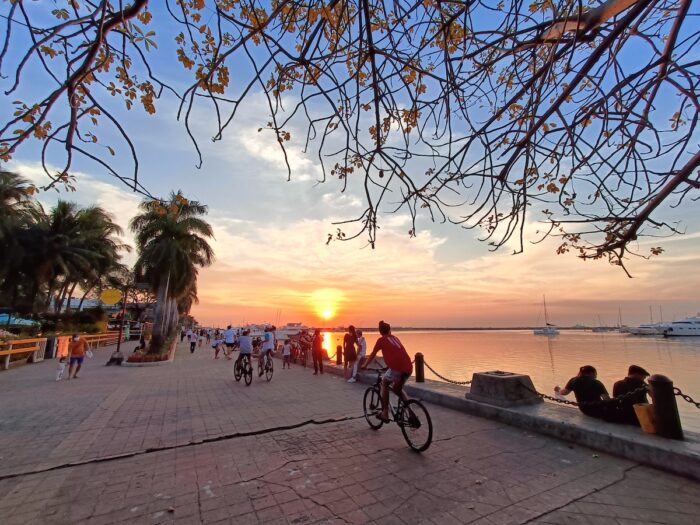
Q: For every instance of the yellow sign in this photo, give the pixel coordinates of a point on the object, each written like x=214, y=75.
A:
x=110, y=296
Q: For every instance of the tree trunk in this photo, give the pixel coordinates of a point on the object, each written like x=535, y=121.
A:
x=161, y=315
x=70, y=295
x=62, y=292
x=80, y=304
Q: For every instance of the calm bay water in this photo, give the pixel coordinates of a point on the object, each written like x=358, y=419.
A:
x=553, y=360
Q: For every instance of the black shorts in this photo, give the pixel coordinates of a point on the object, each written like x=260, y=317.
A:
x=230, y=345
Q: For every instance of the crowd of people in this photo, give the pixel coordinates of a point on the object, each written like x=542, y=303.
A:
x=591, y=395
x=297, y=348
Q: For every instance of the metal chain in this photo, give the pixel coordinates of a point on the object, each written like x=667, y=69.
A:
x=686, y=397
x=623, y=397
x=551, y=398
x=444, y=378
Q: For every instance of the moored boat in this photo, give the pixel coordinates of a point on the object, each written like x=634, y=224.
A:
x=647, y=329
x=689, y=327
x=548, y=328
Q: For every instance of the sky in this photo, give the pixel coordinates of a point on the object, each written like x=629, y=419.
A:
x=273, y=263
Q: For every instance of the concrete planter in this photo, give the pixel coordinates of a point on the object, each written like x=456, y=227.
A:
x=168, y=361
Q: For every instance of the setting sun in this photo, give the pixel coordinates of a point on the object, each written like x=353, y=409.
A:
x=325, y=302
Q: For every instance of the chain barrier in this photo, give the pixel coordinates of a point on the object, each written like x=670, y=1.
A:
x=468, y=382
x=550, y=398
x=685, y=397
x=602, y=402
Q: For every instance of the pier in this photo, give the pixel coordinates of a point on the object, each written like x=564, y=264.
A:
x=184, y=443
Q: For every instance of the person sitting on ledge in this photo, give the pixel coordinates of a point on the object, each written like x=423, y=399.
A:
x=591, y=395
x=115, y=359
x=634, y=380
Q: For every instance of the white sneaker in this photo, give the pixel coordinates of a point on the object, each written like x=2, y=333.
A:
x=352, y=380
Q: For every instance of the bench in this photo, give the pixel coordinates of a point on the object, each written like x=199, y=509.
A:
x=35, y=347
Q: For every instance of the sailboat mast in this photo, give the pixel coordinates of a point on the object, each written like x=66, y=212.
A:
x=546, y=317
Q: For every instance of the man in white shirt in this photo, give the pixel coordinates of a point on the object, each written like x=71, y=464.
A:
x=245, y=345
x=267, y=347
x=229, y=338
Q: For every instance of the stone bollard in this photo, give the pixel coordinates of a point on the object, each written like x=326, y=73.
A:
x=667, y=420
x=504, y=389
x=420, y=368
x=338, y=355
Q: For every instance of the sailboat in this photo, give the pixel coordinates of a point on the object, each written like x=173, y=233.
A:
x=548, y=328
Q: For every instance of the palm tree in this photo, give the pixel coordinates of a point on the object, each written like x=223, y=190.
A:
x=15, y=203
x=56, y=251
x=17, y=213
x=172, y=245
x=96, y=235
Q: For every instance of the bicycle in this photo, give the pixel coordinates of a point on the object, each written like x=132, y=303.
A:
x=411, y=416
x=303, y=356
x=269, y=368
x=243, y=368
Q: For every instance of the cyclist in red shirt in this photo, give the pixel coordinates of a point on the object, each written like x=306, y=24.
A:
x=398, y=363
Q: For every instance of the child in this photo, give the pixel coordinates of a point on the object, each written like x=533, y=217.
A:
x=60, y=368
x=216, y=345
x=286, y=354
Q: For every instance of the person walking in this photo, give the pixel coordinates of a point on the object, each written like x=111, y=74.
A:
x=361, y=352
x=349, y=352
x=317, y=351
x=286, y=354
x=192, y=339
x=77, y=349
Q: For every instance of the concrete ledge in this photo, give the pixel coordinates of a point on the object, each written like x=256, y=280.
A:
x=154, y=363
x=566, y=423
x=169, y=360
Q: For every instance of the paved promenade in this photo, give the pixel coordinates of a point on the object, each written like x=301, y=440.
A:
x=184, y=443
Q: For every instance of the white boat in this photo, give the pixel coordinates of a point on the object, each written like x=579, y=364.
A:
x=289, y=329
x=548, y=328
x=647, y=329
x=689, y=327
x=650, y=328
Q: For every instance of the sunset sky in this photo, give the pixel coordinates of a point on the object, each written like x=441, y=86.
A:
x=273, y=264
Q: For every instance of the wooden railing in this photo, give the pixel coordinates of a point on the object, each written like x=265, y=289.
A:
x=37, y=346
x=97, y=340
x=34, y=346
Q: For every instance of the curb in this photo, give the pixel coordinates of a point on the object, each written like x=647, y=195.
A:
x=567, y=424
x=168, y=361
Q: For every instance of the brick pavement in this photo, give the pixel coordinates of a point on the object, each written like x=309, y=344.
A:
x=476, y=471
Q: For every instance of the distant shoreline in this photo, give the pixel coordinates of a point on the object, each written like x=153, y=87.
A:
x=463, y=329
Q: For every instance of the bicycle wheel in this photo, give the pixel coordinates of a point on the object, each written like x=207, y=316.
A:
x=248, y=373
x=269, y=369
x=372, y=405
x=237, y=371
x=416, y=425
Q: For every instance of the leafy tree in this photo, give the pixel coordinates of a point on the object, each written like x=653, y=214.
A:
x=53, y=253
x=473, y=112
x=172, y=245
